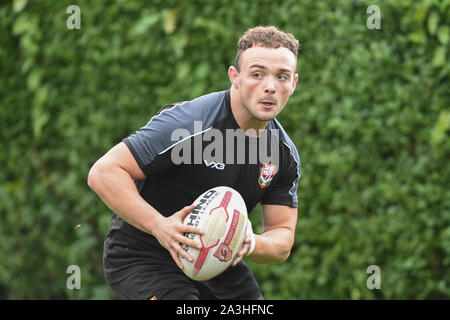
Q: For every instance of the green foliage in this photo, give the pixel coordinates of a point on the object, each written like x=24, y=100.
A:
x=370, y=119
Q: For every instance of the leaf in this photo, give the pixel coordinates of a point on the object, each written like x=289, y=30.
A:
x=433, y=22
x=19, y=5
x=441, y=130
x=170, y=19
x=417, y=37
x=144, y=24
x=439, y=56
x=34, y=79
x=443, y=34
x=21, y=25
x=39, y=116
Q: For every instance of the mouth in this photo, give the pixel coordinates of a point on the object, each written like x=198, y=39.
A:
x=268, y=104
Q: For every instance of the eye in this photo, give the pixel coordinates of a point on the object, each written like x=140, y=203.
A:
x=283, y=77
x=257, y=75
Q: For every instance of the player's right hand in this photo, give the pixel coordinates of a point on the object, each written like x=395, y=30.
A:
x=170, y=233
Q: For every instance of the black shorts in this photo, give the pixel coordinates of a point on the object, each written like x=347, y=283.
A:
x=165, y=285
x=152, y=273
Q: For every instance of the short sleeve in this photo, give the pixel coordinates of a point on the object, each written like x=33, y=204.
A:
x=149, y=145
x=284, y=191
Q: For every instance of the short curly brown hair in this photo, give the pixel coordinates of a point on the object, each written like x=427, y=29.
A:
x=270, y=37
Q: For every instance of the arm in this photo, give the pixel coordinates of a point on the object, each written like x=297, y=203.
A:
x=275, y=243
x=111, y=177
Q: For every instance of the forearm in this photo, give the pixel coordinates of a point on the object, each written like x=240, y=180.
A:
x=117, y=190
x=273, y=246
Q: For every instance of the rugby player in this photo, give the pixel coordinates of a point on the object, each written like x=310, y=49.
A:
x=150, y=193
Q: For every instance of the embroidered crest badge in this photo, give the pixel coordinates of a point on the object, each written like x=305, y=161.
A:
x=267, y=173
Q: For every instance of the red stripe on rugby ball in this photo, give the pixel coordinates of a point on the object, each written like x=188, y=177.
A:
x=204, y=251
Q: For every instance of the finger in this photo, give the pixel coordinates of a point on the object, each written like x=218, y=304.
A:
x=245, y=246
x=186, y=210
x=176, y=258
x=189, y=242
x=181, y=252
x=191, y=229
x=236, y=260
x=243, y=250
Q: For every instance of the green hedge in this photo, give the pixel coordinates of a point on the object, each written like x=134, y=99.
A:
x=370, y=118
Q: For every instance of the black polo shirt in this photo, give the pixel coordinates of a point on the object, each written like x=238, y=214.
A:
x=188, y=148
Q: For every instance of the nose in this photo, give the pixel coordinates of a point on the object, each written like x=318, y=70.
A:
x=269, y=86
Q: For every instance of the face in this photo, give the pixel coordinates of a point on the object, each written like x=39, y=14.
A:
x=266, y=80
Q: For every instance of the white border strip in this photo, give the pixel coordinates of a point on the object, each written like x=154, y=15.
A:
x=192, y=135
x=298, y=172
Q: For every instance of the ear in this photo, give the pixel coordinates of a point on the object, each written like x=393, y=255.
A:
x=233, y=75
x=294, y=84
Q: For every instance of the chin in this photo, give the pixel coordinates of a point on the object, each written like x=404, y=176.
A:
x=262, y=115
x=265, y=117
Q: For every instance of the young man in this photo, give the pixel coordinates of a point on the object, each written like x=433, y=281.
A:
x=150, y=193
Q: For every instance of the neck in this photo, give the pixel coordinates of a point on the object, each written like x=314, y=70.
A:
x=243, y=117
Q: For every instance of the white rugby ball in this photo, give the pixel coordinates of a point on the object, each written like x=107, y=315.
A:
x=221, y=214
